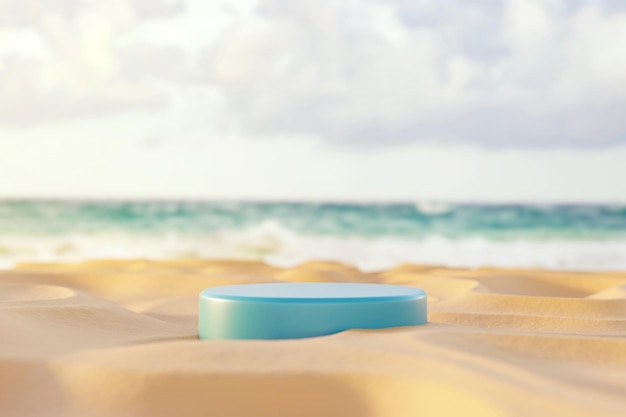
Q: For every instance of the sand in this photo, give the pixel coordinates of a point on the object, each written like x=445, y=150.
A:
x=119, y=338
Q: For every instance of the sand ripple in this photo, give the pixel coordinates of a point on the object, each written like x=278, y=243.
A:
x=119, y=338
x=29, y=292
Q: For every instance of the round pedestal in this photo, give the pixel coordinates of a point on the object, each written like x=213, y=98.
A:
x=285, y=311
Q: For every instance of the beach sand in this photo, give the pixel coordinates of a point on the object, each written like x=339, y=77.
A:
x=119, y=338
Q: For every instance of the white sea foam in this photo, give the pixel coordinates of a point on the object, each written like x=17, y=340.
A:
x=432, y=208
x=271, y=242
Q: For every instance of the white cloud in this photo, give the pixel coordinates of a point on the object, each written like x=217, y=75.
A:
x=529, y=22
x=361, y=75
x=367, y=74
x=195, y=98
x=63, y=61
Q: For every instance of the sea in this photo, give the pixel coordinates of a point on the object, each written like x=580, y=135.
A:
x=369, y=236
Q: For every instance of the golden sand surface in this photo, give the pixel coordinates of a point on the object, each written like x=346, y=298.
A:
x=119, y=338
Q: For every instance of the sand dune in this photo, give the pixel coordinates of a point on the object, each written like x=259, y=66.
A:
x=119, y=338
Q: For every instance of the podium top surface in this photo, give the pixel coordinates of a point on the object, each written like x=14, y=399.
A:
x=318, y=292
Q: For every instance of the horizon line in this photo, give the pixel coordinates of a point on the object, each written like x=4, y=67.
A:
x=310, y=200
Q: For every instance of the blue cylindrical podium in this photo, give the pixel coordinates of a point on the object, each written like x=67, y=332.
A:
x=296, y=310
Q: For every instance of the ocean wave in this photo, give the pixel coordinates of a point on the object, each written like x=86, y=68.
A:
x=271, y=242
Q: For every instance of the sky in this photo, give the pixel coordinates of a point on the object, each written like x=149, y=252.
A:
x=495, y=101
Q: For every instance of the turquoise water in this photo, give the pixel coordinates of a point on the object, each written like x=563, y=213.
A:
x=362, y=220
x=363, y=234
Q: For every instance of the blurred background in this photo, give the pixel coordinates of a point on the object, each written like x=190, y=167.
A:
x=374, y=132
